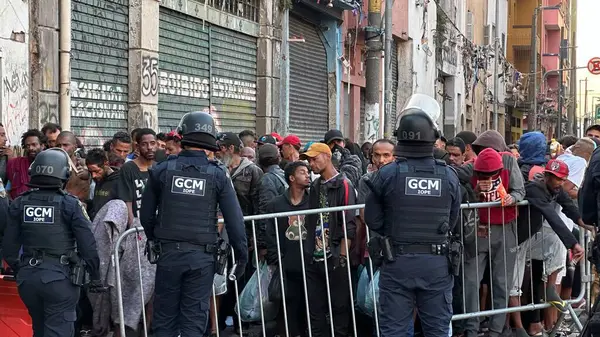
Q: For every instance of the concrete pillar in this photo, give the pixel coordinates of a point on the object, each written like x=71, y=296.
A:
x=268, y=68
x=43, y=57
x=143, y=64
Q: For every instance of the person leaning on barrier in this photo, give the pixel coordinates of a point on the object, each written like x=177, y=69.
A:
x=540, y=242
x=58, y=247
x=414, y=204
x=183, y=238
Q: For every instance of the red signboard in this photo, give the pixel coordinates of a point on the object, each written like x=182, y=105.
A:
x=594, y=65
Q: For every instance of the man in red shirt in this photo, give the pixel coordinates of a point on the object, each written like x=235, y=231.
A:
x=17, y=169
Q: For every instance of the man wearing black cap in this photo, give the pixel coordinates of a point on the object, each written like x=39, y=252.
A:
x=55, y=235
x=271, y=185
x=469, y=138
x=182, y=236
x=342, y=159
x=245, y=175
x=266, y=139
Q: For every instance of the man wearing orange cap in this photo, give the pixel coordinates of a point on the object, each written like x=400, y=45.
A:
x=328, y=242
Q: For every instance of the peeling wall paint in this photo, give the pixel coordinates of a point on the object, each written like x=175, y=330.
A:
x=14, y=68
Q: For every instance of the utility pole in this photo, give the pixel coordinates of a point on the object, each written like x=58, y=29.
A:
x=585, y=110
x=532, y=122
x=388, y=94
x=562, y=50
x=373, y=63
x=496, y=51
x=284, y=121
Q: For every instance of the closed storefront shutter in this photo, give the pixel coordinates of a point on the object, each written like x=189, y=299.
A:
x=99, y=69
x=309, y=114
x=190, y=54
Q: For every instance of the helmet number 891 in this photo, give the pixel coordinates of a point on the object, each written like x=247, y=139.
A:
x=411, y=135
x=44, y=169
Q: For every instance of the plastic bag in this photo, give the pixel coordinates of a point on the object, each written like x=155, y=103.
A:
x=275, y=294
x=369, y=300
x=220, y=284
x=249, y=302
x=362, y=288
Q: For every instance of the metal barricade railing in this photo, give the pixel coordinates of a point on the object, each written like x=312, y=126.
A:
x=345, y=211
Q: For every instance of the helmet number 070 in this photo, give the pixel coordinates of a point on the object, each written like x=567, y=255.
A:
x=44, y=169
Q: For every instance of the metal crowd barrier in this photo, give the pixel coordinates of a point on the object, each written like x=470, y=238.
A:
x=467, y=313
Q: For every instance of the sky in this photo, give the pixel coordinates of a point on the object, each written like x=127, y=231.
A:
x=588, y=46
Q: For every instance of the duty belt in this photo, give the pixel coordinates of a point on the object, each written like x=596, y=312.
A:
x=181, y=246
x=36, y=261
x=441, y=249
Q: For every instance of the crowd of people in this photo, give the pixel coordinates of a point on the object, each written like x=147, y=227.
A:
x=271, y=174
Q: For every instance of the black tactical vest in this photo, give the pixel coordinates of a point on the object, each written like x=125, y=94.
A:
x=43, y=229
x=420, y=204
x=188, y=211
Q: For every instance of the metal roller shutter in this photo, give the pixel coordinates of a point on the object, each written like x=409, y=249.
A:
x=190, y=53
x=99, y=69
x=309, y=108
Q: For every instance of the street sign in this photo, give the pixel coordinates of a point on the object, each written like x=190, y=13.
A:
x=597, y=111
x=594, y=65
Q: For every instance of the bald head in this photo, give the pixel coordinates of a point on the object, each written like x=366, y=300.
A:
x=248, y=152
x=67, y=141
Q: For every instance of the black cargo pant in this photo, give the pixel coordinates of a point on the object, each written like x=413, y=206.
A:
x=339, y=291
x=51, y=300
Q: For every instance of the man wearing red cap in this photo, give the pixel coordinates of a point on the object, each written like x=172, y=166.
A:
x=547, y=243
x=290, y=149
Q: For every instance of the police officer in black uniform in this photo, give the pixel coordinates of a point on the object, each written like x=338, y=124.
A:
x=414, y=204
x=188, y=189
x=57, y=245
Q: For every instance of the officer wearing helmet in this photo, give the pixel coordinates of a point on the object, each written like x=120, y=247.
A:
x=58, y=247
x=188, y=189
x=414, y=204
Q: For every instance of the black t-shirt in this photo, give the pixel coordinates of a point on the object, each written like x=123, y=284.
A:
x=132, y=182
x=104, y=192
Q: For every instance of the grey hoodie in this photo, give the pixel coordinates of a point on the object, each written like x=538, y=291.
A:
x=493, y=139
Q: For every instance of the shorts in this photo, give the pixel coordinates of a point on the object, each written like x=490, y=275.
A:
x=545, y=246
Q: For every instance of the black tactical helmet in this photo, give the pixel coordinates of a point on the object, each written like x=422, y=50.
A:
x=52, y=163
x=198, y=128
x=416, y=126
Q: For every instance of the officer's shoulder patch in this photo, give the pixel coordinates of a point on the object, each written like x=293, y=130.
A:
x=423, y=187
x=83, y=210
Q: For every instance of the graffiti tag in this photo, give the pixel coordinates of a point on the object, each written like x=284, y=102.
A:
x=150, y=78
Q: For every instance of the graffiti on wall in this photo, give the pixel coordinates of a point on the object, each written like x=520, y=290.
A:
x=371, y=122
x=150, y=75
x=91, y=136
x=48, y=112
x=198, y=87
x=94, y=100
x=15, y=98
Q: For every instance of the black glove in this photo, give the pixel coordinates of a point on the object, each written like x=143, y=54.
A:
x=340, y=262
x=96, y=286
x=240, y=269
